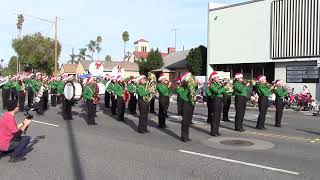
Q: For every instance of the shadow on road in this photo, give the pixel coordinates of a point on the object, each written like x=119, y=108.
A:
x=310, y=132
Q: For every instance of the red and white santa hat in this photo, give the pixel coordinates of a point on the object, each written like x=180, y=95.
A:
x=113, y=77
x=185, y=76
x=238, y=75
x=54, y=78
x=162, y=76
x=90, y=79
x=65, y=75
x=141, y=77
x=261, y=77
x=278, y=82
x=213, y=75
x=38, y=73
x=106, y=75
x=119, y=78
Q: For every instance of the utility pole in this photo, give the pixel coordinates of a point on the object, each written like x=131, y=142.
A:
x=175, y=37
x=56, y=46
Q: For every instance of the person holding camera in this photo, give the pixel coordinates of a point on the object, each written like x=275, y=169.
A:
x=10, y=133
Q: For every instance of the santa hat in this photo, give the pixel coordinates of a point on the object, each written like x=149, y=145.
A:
x=238, y=75
x=178, y=79
x=65, y=79
x=260, y=77
x=54, y=78
x=107, y=75
x=213, y=75
x=113, y=78
x=38, y=73
x=141, y=77
x=278, y=82
x=30, y=75
x=59, y=78
x=65, y=75
x=185, y=76
x=119, y=78
x=162, y=76
x=90, y=79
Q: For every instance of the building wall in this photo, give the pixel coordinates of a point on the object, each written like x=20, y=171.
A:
x=281, y=73
x=80, y=69
x=141, y=44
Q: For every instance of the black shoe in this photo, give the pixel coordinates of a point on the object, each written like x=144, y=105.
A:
x=218, y=134
x=259, y=128
x=141, y=132
x=162, y=127
x=242, y=130
x=147, y=131
x=16, y=159
x=264, y=128
x=226, y=120
x=278, y=125
x=185, y=139
x=214, y=134
x=237, y=130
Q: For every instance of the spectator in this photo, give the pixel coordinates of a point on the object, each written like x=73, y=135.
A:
x=10, y=133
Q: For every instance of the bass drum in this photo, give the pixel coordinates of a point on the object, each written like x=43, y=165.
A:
x=102, y=88
x=73, y=91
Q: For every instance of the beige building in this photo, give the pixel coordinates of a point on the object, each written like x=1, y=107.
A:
x=72, y=69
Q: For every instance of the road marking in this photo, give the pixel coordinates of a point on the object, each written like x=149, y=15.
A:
x=241, y=162
x=315, y=141
x=39, y=122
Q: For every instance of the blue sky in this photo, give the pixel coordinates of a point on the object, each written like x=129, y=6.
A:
x=82, y=20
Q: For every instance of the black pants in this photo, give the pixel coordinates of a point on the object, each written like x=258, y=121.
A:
x=163, y=108
x=5, y=97
x=120, y=108
x=30, y=96
x=179, y=105
x=132, y=103
x=40, y=106
x=217, y=109
x=279, y=111
x=106, y=99
x=45, y=100
x=60, y=98
x=186, y=119
x=152, y=105
x=67, y=109
x=263, y=108
x=91, y=110
x=22, y=100
x=226, y=107
x=210, y=109
x=240, y=105
x=18, y=146
x=143, y=116
x=113, y=105
x=53, y=97
x=14, y=94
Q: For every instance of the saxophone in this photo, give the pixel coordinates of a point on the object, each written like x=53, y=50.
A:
x=191, y=89
x=151, y=86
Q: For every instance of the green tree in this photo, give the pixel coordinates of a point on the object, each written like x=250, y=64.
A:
x=98, y=48
x=82, y=54
x=197, y=61
x=108, y=58
x=12, y=66
x=125, y=38
x=37, y=51
x=153, y=61
x=92, y=47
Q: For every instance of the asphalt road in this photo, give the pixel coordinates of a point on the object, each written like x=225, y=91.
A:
x=72, y=150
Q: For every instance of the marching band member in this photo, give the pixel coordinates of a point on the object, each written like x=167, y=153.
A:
x=241, y=91
x=133, y=99
x=143, y=105
x=164, y=91
x=209, y=103
x=264, y=91
x=60, y=88
x=53, y=90
x=280, y=93
x=217, y=91
x=113, y=98
x=227, y=101
x=88, y=95
x=13, y=89
x=188, y=102
x=29, y=88
x=67, y=104
x=118, y=90
x=106, y=94
x=37, y=87
x=6, y=92
x=20, y=88
x=152, y=105
x=45, y=93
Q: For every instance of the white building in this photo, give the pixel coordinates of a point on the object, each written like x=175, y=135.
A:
x=277, y=38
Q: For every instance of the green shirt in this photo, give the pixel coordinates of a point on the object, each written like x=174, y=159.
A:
x=60, y=87
x=8, y=85
x=110, y=87
x=280, y=92
x=217, y=89
x=179, y=90
x=118, y=90
x=142, y=91
x=88, y=92
x=131, y=88
x=28, y=83
x=208, y=92
x=18, y=87
x=263, y=90
x=163, y=89
x=240, y=89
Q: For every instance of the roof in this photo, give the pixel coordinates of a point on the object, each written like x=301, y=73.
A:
x=139, y=54
x=140, y=40
x=176, y=60
x=108, y=65
x=70, y=68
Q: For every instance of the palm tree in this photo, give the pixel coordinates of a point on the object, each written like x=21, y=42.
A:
x=82, y=54
x=108, y=58
x=19, y=23
x=125, y=38
x=98, y=42
x=72, y=58
x=92, y=47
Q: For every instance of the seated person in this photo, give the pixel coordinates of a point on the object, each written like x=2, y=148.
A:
x=10, y=133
